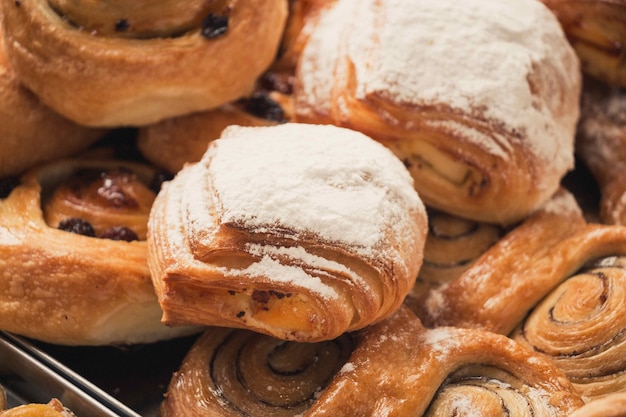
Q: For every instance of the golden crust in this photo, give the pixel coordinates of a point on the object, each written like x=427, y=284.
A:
x=396, y=367
x=111, y=81
x=66, y=288
x=613, y=405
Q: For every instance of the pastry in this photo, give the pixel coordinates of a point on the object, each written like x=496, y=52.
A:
x=74, y=266
x=393, y=368
x=117, y=63
x=452, y=245
x=601, y=145
x=613, y=405
x=30, y=132
x=287, y=230
x=54, y=408
x=480, y=100
x=171, y=143
x=597, y=31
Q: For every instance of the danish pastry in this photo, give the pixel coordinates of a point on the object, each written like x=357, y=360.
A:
x=601, y=146
x=396, y=367
x=298, y=231
x=597, y=31
x=117, y=63
x=480, y=99
x=30, y=132
x=74, y=266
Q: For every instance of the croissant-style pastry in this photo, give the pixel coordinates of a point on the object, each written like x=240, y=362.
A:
x=393, y=368
x=173, y=142
x=597, y=31
x=601, y=145
x=613, y=405
x=299, y=231
x=479, y=100
x=70, y=275
x=452, y=245
x=120, y=63
x=30, y=132
x=54, y=408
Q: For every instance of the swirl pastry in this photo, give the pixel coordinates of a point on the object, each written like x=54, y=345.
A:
x=601, y=145
x=597, y=31
x=118, y=63
x=289, y=231
x=489, y=139
x=613, y=405
x=452, y=245
x=74, y=266
x=32, y=133
x=396, y=367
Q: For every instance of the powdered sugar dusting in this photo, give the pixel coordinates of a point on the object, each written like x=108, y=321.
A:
x=335, y=183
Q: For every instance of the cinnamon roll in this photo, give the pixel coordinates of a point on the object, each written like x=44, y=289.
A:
x=480, y=99
x=601, y=145
x=298, y=231
x=395, y=367
x=597, y=31
x=30, y=132
x=119, y=63
x=74, y=266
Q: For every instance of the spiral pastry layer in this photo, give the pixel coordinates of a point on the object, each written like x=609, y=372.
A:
x=487, y=140
x=65, y=280
x=288, y=231
x=613, y=405
x=119, y=63
x=597, y=31
x=395, y=367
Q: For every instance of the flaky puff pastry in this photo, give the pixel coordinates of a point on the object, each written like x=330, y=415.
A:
x=299, y=231
x=601, y=145
x=75, y=280
x=394, y=368
x=479, y=99
x=134, y=63
x=597, y=31
x=30, y=132
x=556, y=285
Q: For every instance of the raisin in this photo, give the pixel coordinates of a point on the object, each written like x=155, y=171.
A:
x=214, y=26
x=158, y=179
x=78, y=226
x=7, y=184
x=121, y=25
x=261, y=105
x=119, y=233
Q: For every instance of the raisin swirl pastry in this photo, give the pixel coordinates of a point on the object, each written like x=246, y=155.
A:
x=299, y=231
x=597, y=31
x=396, y=368
x=488, y=139
x=133, y=63
x=74, y=267
x=31, y=132
x=601, y=145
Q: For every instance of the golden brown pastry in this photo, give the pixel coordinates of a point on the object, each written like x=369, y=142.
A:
x=74, y=266
x=393, y=368
x=30, y=132
x=452, y=245
x=557, y=287
x=597, y=31
x=613, y=405
x=601, y=145
x=479, y=100
x=299, y=231
x=134, y=63
x=54, y=408
x=171, y=143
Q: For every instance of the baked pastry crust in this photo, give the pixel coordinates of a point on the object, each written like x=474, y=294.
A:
x=31, y=132
x=67, y=288
x=104, y=67
x=613, y=405
x=288, y=231
x=395, y=367
x=484, y=115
